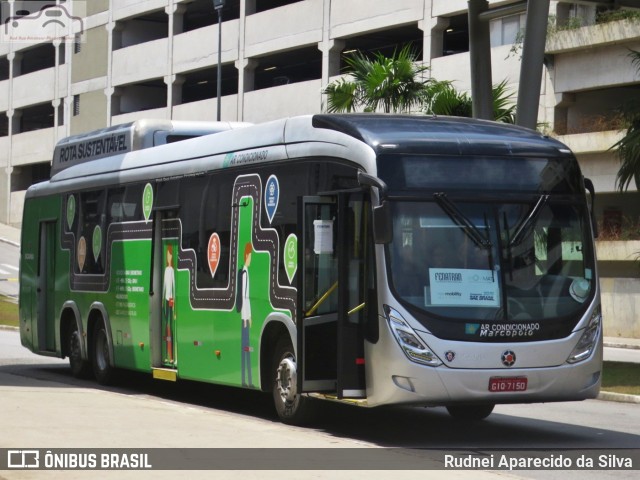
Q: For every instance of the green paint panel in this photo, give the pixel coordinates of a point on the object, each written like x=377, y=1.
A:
x=128, y=303
x=208, y=343
x=220, y=331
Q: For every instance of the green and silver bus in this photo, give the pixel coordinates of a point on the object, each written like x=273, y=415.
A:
x=370, y=259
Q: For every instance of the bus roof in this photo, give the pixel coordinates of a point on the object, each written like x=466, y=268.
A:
x=443, y=135
x=128, y=137
x=354, y=137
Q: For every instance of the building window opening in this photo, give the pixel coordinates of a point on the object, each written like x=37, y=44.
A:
x=24, y=176
x=37, y=58
x=263, y=5
x=200, y=13
x=203, y=84
x=142, y=29
x=4, y=124
x=288, y=67
x=36, y=117
x=507, y=30
x=143, y=96
x=385, y=42
x=455, y=38
x=4, y=68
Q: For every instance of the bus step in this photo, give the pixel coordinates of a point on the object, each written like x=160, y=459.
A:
x=359, y=402
x=165, y=374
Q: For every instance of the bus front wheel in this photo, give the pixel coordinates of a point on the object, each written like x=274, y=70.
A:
x=80, y=368
x=102, y=369
x=291, y=406
x=470, y=412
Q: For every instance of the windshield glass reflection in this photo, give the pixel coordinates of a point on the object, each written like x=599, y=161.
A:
x=531, y=265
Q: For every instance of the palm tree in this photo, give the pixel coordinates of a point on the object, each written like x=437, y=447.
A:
x=396, y=84
x=441, y=98
x=376, y=82
x=628, y=147
x=504, y=110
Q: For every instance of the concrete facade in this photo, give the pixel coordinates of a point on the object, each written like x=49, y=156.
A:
x=156, y=58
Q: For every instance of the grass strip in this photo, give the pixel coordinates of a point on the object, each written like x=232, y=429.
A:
x=620, y=377
x=8, y=312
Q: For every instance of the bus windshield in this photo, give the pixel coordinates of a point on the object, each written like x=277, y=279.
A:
x=517, y=256
x=436, y=265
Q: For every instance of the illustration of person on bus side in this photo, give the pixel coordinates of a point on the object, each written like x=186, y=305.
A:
x=243, y=305
x=168, y=308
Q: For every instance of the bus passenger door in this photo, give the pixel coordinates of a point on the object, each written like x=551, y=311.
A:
x=46, y=288
x=164, y=315
x=331, y=295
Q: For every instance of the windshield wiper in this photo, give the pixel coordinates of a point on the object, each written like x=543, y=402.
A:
x=526, y=223
x=463, y=222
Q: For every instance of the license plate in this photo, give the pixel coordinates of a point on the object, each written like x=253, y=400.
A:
x=507, y=384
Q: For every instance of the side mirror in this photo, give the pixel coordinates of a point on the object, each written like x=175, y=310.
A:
x=382, y=224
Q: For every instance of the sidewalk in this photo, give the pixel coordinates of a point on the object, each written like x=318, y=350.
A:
x=617, y=342
x=10, y=235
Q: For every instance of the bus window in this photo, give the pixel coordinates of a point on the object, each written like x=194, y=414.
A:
x=91, y=234
x=321, y=261
x=212, y=197
x=123, y=204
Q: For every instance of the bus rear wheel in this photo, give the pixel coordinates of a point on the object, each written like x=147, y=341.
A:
x=80, y=368
x=291, y=406
x=101, y=357
x=472, y=412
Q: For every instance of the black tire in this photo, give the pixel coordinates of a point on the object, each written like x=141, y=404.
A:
x=473, y=412
x=101, y=356
x=80, y=367
x=292, y=408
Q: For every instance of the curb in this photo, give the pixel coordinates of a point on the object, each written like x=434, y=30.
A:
x=619, y=397
x=10, y=242
x=630, y=346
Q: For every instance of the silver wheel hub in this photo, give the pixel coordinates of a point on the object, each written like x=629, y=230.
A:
x=287, y=380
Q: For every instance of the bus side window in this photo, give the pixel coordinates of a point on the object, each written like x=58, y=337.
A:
x=206, y=209
x=124, y=204
x=92, y=221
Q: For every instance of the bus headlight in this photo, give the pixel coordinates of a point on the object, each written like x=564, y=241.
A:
x=589, y=339
x=409, y=341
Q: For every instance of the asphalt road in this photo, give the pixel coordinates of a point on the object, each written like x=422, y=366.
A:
x=41, y=405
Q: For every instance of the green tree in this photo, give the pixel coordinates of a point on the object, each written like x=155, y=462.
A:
x=441, y=98
x=379, y=83
x=397, y=84
x=628, y=147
